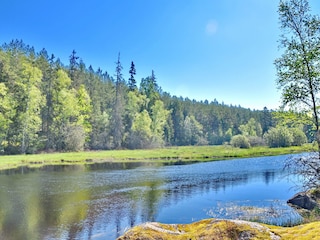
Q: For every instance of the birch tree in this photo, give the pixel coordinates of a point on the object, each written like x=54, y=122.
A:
x=298, y=71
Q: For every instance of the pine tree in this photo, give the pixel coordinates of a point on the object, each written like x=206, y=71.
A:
x=74, y=67
x=150, y=88
x=117, y=116
x=132, y=82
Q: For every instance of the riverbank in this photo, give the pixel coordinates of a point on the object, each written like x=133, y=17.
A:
x=169, y=155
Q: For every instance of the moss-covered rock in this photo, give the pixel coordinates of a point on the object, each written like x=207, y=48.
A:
x=215, y=229
x=205, y=229
x=301, y=232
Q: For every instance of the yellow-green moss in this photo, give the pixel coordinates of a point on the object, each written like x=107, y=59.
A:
x=221, y=229
x=205, y=229
x=302, y=232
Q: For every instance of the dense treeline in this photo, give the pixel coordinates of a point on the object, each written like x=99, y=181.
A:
x=48, y=106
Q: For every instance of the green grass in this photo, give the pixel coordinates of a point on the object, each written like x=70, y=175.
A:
x=162, y=155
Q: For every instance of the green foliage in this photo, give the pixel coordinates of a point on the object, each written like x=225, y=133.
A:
x=100, y=137
x=298, y=71
x=118, y=108
x=252, y=128
x=150, y=88
x=279, y=136
x=141, y=133
x=84, y=105
x=136, y=102
x=159, y=117
x=282, y=136
x=256, y=141
x=46, y=106
x=228, y=135
x=292, y=119
x=74, y=138
x=193, y=132
x=71, y=117
x=30, y=118
x=21, y=89
x=132, y=83
x=240, y=141
x=4, y=114
x=298, y=67
x=299, y=137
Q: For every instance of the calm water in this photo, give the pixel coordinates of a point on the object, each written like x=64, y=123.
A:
x=102, y=201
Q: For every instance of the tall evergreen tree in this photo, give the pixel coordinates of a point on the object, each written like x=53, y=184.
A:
x=150, y=88
x=74, y=67
x=132, y=82
x=47, y=66
x=117, y=115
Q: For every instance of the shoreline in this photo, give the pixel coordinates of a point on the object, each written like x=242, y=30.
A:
x=166, y=156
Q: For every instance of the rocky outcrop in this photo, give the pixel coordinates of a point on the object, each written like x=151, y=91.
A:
x=302, y=200
x=205, y=229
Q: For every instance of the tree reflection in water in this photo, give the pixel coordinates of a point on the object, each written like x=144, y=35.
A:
x=101, y=201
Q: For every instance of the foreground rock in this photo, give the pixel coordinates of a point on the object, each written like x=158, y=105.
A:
x=205, y=229
x=306, y=202
x=303, y=200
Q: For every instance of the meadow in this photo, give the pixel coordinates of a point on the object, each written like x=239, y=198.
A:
x=168, y=155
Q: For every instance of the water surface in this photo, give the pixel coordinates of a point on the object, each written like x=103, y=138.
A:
x=102, y=201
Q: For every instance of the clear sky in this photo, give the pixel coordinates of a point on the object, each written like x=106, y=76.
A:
x=200, y=49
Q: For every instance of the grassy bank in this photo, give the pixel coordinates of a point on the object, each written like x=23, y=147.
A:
x=165, y=155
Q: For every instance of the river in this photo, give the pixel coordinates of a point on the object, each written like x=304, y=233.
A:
x=101, y=201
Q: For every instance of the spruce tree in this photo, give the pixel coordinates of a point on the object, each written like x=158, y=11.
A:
x=132, y=82
x=117, y=115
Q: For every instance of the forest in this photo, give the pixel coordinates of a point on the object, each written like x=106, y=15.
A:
x=47, y=106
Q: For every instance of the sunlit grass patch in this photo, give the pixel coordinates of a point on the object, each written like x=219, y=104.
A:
x=169, y=155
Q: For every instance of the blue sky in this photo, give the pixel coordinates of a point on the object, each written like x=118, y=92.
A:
x=200, y=49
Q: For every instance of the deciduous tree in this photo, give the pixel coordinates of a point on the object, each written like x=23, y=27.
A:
x=298, y=69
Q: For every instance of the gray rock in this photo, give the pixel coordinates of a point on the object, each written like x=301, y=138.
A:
x=302, y=200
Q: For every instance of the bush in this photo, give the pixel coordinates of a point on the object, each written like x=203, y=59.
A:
x=299, y=137
x=256, y=141
x=74, y=138
x=279, y=136
x=240, y=141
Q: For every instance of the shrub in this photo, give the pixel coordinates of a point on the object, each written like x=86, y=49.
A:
x=240, y=141
x=75, y=138
x=299, y=137
x=256, y=141
x=279, y=136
